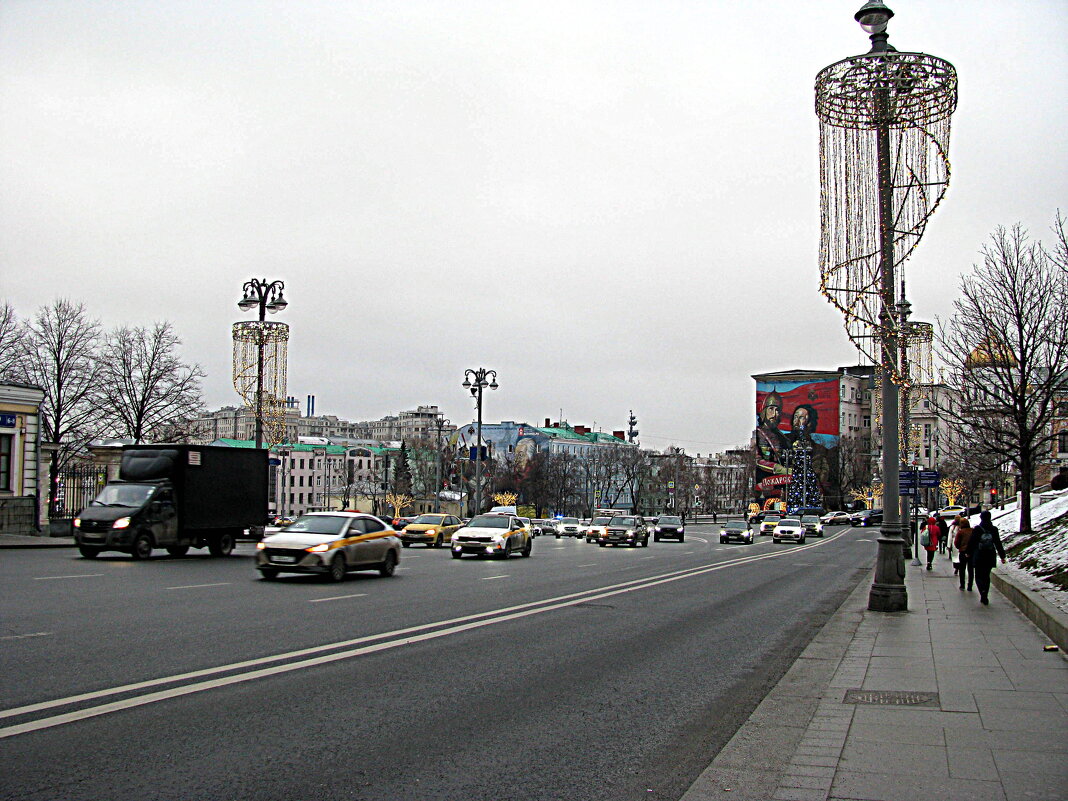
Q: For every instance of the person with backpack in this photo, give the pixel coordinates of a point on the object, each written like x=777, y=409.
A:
x=984, y=548
x=961, y=538
x=929, y=539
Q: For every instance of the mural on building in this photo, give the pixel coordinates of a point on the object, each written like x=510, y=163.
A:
x=795, y=442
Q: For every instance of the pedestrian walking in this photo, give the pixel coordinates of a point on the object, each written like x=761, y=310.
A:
x=929, y=539
x=943, y=531
x=715, y=516
x=952, y=539
x=985, y=548
x=961, y=538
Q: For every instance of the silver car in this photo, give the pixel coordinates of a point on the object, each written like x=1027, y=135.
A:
x=331, y=544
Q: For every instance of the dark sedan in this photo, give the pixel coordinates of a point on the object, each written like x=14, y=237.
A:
x=867, y=517
x=669, y=527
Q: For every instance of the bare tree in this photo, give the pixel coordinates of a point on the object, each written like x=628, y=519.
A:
x=59, y=355
x=1007, y=349
x=145, y=388
x=11, y=329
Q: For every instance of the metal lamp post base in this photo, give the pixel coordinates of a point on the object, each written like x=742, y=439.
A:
x=888, y=592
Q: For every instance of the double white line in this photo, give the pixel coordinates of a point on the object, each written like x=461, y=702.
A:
x=251, y=669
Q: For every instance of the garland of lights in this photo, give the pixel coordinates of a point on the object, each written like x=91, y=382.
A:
x=922, y=95
x=273, y=338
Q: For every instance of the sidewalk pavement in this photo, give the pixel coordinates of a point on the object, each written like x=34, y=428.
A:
x=35, y=541
x=949, y=700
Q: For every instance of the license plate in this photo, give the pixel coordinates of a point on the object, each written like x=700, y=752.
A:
x=284, y=559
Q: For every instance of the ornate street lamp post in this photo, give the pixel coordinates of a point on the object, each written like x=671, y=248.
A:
x=440, y=424
x=475, y=380
x=884, y=138
x=267, y=297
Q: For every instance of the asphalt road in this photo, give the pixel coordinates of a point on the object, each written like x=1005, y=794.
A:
x=580, y=673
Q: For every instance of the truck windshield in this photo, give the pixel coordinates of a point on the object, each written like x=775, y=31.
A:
x=132, y=495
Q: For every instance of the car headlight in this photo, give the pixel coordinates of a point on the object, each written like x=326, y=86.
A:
x=77, y=522
x=122, y=522
x=260, y=545
x=657, y=528
x=431, y=532
x=325, y=546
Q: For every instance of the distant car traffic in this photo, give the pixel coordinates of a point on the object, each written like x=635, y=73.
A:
x=813, y=526
x=330, y=544
x=736, y=531
x=949, y=512
x=596, y=528
x=835, y=518
x=669, y=526
x=432, y=530
x=625, y=530
x=494, y=535
x=768, y=522
x=789, y=528
x=568, y=526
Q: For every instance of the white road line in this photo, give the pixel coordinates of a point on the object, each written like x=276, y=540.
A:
x=53, y=578
x=685, y=553
x=491, y=578
x=400, y=637
x=195, y=586
x=24, y=636
x=589, y=564
x=336, y=598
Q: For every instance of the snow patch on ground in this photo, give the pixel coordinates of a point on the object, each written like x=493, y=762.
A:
x=1044, y=554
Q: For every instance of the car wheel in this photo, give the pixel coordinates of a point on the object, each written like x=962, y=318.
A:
x=223, y=545
x=268, y=573
x=602, y=544
x=438, y=541
x=337, y=568
x=775, y=540
x=529, y=547
x=507, y=550
x=405, y=544
x=656, y=538
x=177, y=550
x=801, y=541
x=88, y=552
x=557, y=536
x=457, y=554
x=389, y=565
x=142, y=547
x=682, y=538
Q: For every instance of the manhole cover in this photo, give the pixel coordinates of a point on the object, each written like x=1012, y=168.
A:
x=891, y=697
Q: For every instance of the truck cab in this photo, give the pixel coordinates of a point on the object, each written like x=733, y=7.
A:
x=130, y=517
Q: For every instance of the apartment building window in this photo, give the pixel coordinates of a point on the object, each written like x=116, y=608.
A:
x=867, y=421
x=5, y=461
x=926, y=431
x=1062, y=443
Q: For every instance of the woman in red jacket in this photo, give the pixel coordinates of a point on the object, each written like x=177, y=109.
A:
x=934, y=533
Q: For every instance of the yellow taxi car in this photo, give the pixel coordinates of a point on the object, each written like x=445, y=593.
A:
x=433, y=530
x=330, y=544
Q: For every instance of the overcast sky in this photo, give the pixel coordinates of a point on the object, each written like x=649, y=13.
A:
x=613, y=204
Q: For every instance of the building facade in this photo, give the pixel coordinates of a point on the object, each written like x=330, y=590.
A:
x=23, y=479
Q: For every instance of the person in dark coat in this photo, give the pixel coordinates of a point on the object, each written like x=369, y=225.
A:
x=961, y=539
x=984, y=548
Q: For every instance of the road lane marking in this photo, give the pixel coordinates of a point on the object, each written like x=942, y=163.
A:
x=393, y=639
x=588, y=564
x=491, y=578
x=336, y=598
x=195, y=586
x=24, y=636
x=80, y=575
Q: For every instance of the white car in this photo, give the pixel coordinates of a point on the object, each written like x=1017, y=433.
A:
x=331, y=544
x=789, y=528
x=568, y=526
x=493, y=535
x=835, y=519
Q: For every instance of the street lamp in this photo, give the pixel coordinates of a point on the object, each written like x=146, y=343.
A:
x=476, y=386
x=440, y=424
x=884, y=139
x=268, y=297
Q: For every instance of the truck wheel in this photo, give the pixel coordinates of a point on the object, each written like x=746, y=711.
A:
x=389, y=564
x=177, y=550
x=223, y=545
x=337, y=568
x=142, y=547
x=88, y=552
